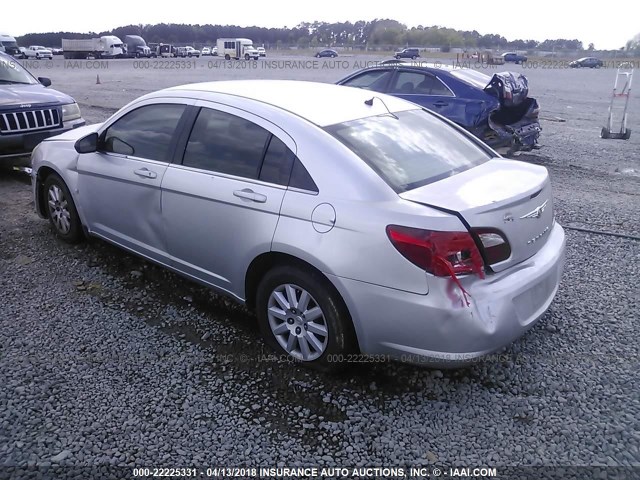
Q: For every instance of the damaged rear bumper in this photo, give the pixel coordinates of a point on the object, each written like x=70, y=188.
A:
x=437, y=329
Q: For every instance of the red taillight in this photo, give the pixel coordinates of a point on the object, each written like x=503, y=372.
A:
x=440, y=253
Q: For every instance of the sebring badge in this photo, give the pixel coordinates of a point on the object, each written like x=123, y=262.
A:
x=537, y=213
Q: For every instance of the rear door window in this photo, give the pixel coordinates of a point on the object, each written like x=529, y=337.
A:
x=278, y=160
x=225, y=143
x=417, y=83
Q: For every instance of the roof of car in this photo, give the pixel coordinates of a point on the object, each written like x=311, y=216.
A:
x=320, y=103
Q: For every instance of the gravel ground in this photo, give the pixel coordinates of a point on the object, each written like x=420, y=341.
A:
x=108, y=360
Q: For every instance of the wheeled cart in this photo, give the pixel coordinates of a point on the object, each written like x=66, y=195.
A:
x=621, y=94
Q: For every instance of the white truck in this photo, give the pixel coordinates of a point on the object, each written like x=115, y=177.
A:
x=237, y=48
x=37, y=52
x=108, y=46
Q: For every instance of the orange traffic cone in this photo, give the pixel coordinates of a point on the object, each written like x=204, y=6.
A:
x=97, y=79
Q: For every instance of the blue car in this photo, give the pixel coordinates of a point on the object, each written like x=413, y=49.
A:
x=495, y=109
x=514, y=57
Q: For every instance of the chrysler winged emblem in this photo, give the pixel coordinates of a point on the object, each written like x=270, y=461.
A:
x=537, y=212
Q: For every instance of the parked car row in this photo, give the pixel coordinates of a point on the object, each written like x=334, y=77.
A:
x=210, y=51
x=187, y=52
x=34, y=52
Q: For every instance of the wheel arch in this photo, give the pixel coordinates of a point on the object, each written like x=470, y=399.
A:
x=41, y=177
x=44, y=172
x=265, y=262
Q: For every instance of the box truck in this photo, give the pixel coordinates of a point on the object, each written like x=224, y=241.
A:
x=108, y=46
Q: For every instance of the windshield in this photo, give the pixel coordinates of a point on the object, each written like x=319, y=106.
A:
x=9, y=44
x=12, y=72
x=472, y=77
x=411, y=149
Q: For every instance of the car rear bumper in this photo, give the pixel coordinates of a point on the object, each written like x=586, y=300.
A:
x=18, y=145
x=438, y=329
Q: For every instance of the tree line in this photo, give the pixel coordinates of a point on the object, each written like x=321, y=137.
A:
x=360, y=34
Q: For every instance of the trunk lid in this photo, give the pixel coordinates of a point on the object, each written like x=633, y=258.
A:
x=510, y=88
x=512, y=197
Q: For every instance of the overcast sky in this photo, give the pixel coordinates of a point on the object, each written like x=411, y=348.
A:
x=608, y=25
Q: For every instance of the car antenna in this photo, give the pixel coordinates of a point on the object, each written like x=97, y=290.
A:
x=370, y=102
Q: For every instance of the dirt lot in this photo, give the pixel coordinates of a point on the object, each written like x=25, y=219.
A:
x=107, y=360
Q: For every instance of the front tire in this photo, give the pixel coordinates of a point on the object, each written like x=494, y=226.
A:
x=61, y=210
x=303, y=316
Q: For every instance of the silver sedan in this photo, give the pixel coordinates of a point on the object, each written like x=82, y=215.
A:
x=352, y=222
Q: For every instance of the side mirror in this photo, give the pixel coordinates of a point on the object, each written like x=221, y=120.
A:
x=88, y=144
x=45, y=81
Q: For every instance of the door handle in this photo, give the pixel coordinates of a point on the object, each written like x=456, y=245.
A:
x=145, y=172
x=250, y=195
x=440, y=104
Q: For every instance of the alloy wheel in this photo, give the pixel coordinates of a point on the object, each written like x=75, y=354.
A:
x=59, y=210
x=297, y=322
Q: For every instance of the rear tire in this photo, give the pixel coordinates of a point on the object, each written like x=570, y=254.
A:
x=61, y=210
x=301, y=315
x=227, y=57
x=604, y=133
x=627, y=134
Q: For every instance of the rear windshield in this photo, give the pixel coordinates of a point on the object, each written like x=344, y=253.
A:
x=411, y=149
x=472, y=77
